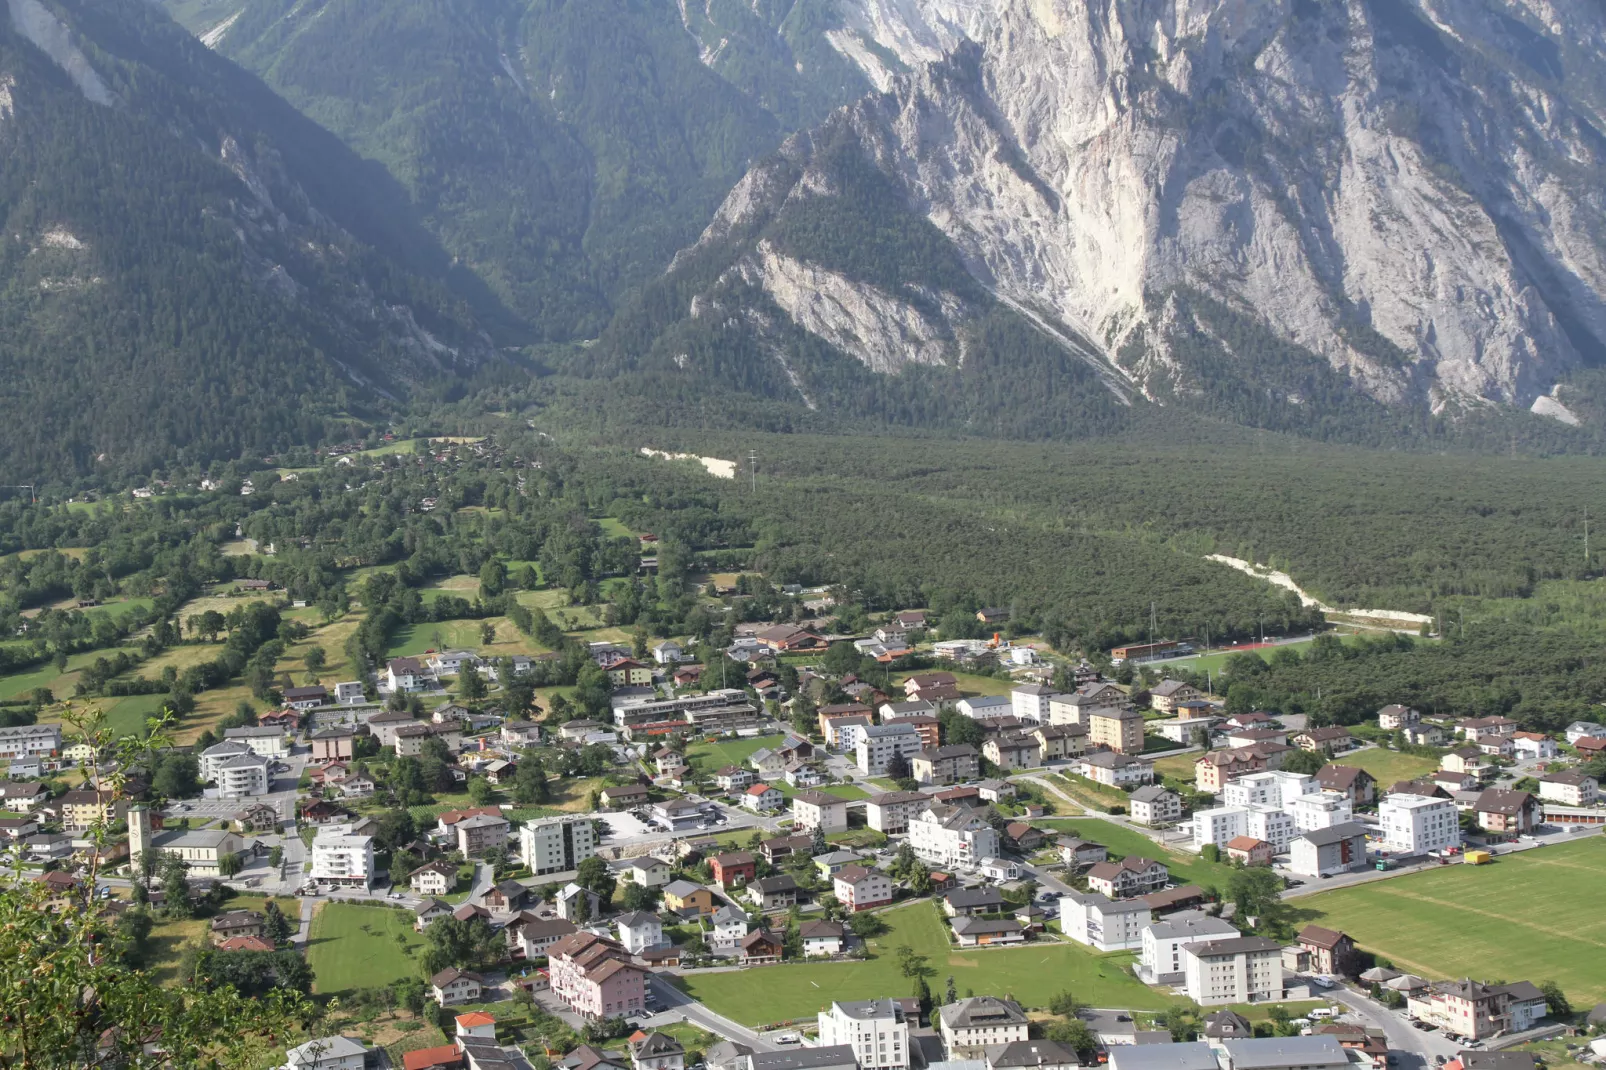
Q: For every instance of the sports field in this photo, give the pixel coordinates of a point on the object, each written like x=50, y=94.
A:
x=1388, y=766
x=354, y=946
x=1531, y=916
x=1031, y=973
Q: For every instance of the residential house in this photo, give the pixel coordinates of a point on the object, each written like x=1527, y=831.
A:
x=1357, y=786
x=1022, y=838
x=639, y=931
x=858, y=888
x=1569, y=788
x=452, y=985
x=1013, y=750
x=327, y=1053
x=668, y=652
x=985, y=932
x=1103, y=923
x=891, y=811
x=433, y=878
x=1425, y=735
x=1477, y=1011
x=1323, y=852
x=1165, y=695
x=657, y=1051
x=1250, y=851
x=1116, y=770
x=842, y=731
x=535, y=935
x=1584, y=730
x=734, y=778
x=1243, y=969
x=1079, y=854
x=1213, y=771
x=969, y=1027
x=684, y=897
x=761, y=947
x=481, y=833
x=777, y=848
x=332, y=745
x=1395, y=717
x=1328, y=948
x=816, y=809
x=984, y=707
x=1323, y=740
x=627, y=672
x=517, y=735
x=828, y=863
x=340, y=856
x=1485, y=726
x=785, y=639
x=777, y=892
x=821, y=939
x=1497, y=746
x=234, y=923
x=1154, y=805
x=1131, y=876
x=624, y=796
x=1057, y=742
x=1532, y=745
x=727, y=927
x=761, y=798
x=1030, y=703
x=994, y=790
x=506, y=897
x=971, y=902
x=83, y=809
x=1507, y=812
x=952, y=837
x=733, y=868
x=577, y=904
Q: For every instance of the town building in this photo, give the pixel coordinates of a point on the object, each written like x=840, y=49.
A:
x=639, y=931
x=816, y=809
x=1477, y=1011
x=594, y=976
x=556, y=844
x=879, y=745
x=1315, y=1052
x=327, y=1053
x=1327, y=851
x=1131, y=876
x=1244, y=969
x=1506, y=812
x=1121, y=730
x=952, y=837
x=1570, y=788
x=1328, y=948
x=1319, y=810
x=821, y=939
x=341, y=857
x=481, y=833
x=875, y=1029
x=1100, y=922
x=1155, y=806
x=266, y=740
x=969, y=1026
x=945, y=765
x=1116, y=770
x=733, y=868
x=858, y=888
x=1161, y=960
x=1417, y=824
x=890, y=812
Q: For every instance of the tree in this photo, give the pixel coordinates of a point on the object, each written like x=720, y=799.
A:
x=530, y=783
x=470, y=686
x=594, y=875
x=178, y=776
x=818, y=845
x=898, y=768
x=172, y=874
x=276, y=856
x=487, y=632
x=493, y=579
x=639, y=897
x=1555, y=1000
x=315, y=659
x=1074, y=1034
x=467, y=945
x=1303, y=761
x=949, y=994
x=1256, y=893
x=254, y=973
x=275, y=926
x=911, y=963
x=1176, y=1021
x=480, y=791
x=1066, y=1005
x=865, y=926
x=1210, y=853
x=228, y=864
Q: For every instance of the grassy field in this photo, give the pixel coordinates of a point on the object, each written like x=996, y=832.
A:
x=1530, y=916
x=614, y=528
x=1213, y=661
x=1185, y=867
x=1031, y=973
x=1177, y=766
x=969, y=684
x=1388, y=766
x=354, y=946
x=719, y=754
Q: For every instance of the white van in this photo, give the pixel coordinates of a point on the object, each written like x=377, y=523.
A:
x=1319, y=1013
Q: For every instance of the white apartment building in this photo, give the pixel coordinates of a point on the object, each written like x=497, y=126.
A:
x=556, y=844
x=1270, y=788
x=340, y=857
x=1320, y=810
x=874, y=1028
x=213, y=757
x=348, y=693
x=969, y=1026
x=1243, y=969
x=266, y=740
x=1103, y=923
x=952, y=837
x=1274, y=826
x=1570, y=788
x=1030, y=702
x=1416, y=824
x=877, y=745
x=30, y=740
x=241, y=776
x=1218, y=825
x=1160, y=962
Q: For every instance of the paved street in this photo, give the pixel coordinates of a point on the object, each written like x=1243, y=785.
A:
x=680, y=1007
x=1423, y=1044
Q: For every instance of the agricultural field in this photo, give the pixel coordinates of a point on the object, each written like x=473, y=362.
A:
x=355, y=946
x=1031, y=973
x=1529, y=916
x=19, y=684
x=1388, y=766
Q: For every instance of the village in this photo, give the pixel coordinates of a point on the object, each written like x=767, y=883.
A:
x=743, y=877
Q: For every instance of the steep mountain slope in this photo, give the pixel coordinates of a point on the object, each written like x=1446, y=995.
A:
x=1282, y=212
x=188, y=267
x=562, y=150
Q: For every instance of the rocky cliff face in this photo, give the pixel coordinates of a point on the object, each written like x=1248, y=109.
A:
x=1408, y=190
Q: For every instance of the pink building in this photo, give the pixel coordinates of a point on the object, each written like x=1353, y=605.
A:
x=595, y=977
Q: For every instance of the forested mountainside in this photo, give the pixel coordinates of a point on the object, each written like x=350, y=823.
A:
x=189, y=268
x=561, y=150
x=1291, y=214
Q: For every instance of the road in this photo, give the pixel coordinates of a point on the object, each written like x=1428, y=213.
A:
x=679, y=1006
x=1422, y=1044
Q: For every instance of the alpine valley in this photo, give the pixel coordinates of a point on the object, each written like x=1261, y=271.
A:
x=1379, y=221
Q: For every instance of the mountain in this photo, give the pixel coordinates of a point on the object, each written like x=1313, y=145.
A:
x=189, y=268
x=1288, y=213
x=560, y=150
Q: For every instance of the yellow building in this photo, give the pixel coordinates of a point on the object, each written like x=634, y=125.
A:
x=81, y=810
x=1120, y=730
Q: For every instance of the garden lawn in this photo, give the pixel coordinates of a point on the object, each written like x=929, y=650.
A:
x=1388, y=766
x=1177, y=766
x=969, y=684
x=1031, y=974
x=1185, y=867
x=1531, y=916
x=354, y=946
